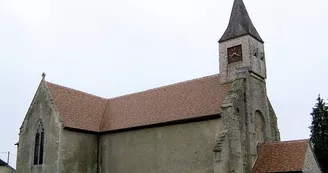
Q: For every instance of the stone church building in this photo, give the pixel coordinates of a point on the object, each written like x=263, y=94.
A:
x=223, y=123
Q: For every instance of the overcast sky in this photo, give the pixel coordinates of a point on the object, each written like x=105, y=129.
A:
x=115, y=47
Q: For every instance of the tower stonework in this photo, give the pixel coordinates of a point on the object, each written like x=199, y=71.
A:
x=247, y=113
x=241, y=47
x=251, y=59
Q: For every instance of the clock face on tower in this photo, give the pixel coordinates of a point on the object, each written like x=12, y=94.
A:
x=235, y=54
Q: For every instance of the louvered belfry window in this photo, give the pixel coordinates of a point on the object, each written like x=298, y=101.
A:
x=39, y=144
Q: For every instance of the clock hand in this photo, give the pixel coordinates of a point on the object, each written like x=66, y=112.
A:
x=233, y=54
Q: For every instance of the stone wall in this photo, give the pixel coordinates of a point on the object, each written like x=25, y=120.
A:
x=78, y=152
x=233, y=117
x=256, y=99
x=182, y=148
x=247, y=99
x=5, y=169
x=310, y=163
x=275, y=134
x=64, y=150
x=41, y=109
x=252, y=54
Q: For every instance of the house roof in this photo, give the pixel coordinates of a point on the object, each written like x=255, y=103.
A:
x=240, y=23
x=2, y=163
x=284, y=156
x=190, y=99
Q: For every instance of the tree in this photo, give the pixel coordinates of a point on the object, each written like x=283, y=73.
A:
x=319, y=133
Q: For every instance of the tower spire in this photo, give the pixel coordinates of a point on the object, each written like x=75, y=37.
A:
x=240, y=23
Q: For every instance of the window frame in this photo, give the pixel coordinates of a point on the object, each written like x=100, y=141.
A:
x=39, y=144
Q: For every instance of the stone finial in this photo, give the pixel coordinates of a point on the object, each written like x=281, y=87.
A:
x=43, y=75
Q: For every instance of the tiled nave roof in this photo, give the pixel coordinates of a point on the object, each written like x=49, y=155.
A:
x=185, y=100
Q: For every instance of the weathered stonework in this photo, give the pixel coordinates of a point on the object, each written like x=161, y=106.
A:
x=253, y=58
x=221, y=152
x=41, y=109
x=246, y=110
x=311, y=165
x=219, y=141
x=65, y=151
x=246, y=98
x=78, y=152
x=275, y=134
x=232, y=109
x=181, y=148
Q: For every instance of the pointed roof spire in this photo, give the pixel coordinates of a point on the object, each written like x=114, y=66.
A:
x=240, y=23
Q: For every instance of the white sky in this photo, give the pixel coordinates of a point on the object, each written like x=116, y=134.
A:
x=110, y=48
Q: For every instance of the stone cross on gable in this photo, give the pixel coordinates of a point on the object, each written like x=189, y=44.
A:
x=43, y=75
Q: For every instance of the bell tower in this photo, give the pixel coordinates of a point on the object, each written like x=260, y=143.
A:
x=241, y=47
x=242, y=62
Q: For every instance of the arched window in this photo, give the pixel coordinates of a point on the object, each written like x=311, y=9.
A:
x=39, y=144
x=259, y=127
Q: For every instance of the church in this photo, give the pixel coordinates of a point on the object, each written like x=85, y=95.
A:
x=223, y=123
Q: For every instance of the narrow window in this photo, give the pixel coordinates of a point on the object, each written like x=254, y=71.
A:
x=41, y=148
x=36, y=148
x=39, y=144
x=259, y=127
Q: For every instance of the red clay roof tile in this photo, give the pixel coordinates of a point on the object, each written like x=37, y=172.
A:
x=281, y=156
x=78, y=109
x=190, y=99
x=185, y=100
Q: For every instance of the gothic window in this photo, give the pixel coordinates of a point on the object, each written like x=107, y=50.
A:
x=259, y=127
x=39, y=144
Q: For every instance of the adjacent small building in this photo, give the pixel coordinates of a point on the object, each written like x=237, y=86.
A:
x=288, y=156
x=5, y=168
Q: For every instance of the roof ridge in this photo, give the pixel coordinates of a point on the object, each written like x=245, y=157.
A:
x=76, y=90
x=165, y=86
x=138, y=92
x=103, y=116
x=284, y=142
